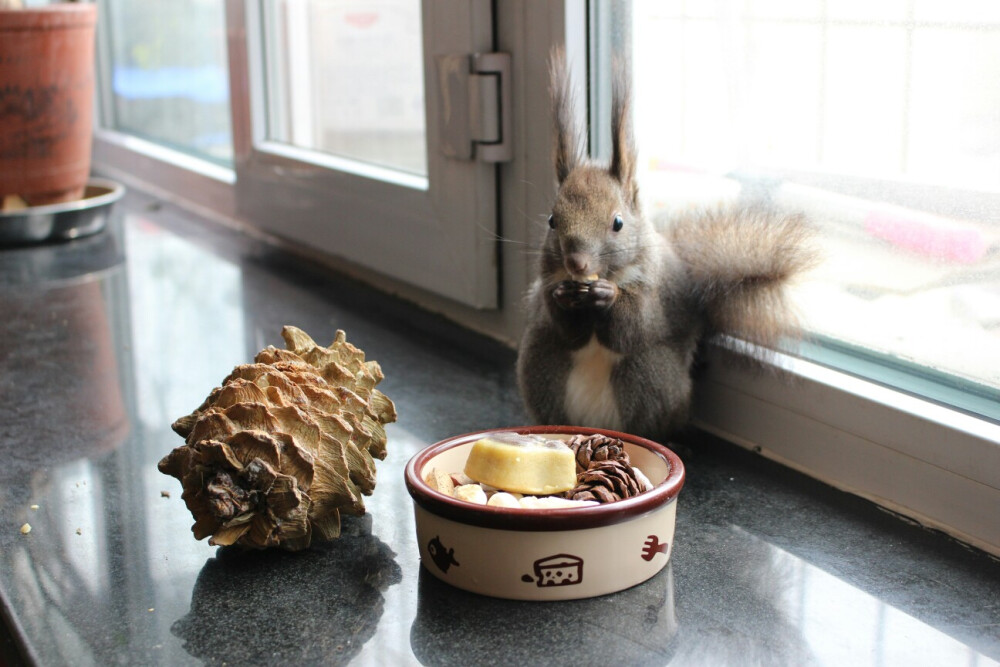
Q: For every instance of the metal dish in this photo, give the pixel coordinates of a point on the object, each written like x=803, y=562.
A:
x=64, y=221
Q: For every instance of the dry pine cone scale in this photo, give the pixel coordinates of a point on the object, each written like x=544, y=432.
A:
x=593, y=448
x=605, y=482
x=287, y=443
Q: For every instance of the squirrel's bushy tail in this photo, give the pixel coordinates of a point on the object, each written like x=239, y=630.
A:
x=739, y=262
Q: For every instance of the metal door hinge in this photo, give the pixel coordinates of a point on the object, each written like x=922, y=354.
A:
x=474, y=96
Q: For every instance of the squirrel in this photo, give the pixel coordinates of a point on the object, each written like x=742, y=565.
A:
x=619, y=310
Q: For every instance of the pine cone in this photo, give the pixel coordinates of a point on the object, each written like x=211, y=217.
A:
x=274, y=455
x=606, y=482
x=590, y=449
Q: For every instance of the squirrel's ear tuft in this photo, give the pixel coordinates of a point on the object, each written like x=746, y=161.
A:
x=623, y=150
x=566, y=143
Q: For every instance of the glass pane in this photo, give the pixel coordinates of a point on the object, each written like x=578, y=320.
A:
x=345, y=77
x=882, y=125
x=170, y=74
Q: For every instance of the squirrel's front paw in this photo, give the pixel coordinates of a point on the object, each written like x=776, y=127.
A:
x=602, y=293
x=570, y=294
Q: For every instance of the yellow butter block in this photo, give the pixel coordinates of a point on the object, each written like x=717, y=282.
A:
x=522, y=464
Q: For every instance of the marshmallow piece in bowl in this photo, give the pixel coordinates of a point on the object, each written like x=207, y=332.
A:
x=472, y=493
x=503, y=499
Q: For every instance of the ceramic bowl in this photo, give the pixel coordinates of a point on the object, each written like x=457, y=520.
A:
x=545, y=554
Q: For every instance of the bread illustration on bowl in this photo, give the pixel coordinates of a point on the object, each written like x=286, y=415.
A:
x=558, y=570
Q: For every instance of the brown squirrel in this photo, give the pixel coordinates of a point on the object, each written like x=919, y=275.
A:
x=619, y=309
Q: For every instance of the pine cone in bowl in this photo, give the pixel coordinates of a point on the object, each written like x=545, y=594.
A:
x=593, y=448
x=608, y=481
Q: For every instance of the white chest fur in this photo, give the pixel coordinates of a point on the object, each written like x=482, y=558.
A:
x=590, y=397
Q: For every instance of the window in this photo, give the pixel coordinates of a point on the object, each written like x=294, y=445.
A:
x=340, y=142
x=347, y=78
x=164, y=81
x=877, y=119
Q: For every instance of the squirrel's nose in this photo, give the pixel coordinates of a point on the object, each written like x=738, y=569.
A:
x=578, y=264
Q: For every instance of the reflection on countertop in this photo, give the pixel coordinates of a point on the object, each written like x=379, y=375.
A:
x=630, y=627
x=317, y=607
x=109, y=339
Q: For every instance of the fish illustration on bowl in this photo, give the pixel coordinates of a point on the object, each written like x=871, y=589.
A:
x=443, y=557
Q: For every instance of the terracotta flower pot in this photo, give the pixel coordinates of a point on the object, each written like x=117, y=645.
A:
x=46, y=101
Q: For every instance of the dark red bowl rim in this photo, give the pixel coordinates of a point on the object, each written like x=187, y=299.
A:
x=506, y=518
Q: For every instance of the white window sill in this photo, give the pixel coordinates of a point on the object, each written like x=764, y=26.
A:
x=933, y=464
x=168, y=173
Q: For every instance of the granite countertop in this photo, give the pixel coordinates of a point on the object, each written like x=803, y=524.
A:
x=108, y=339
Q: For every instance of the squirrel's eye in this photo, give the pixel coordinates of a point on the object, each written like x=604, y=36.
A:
x=617, y=225
x=552, y=222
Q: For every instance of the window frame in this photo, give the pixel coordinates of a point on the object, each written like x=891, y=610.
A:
x=922, y=460
x=342, y=207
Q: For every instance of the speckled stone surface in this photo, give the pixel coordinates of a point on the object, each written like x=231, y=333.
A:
x=107, y=340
